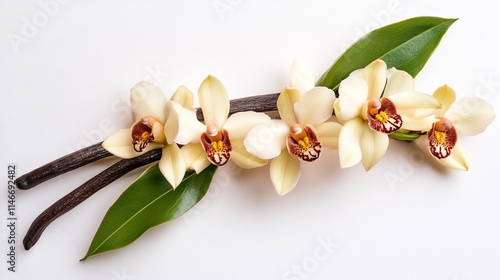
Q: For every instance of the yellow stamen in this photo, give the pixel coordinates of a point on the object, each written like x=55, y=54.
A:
x=440, y=136
x=145, y=135
x=381, y=116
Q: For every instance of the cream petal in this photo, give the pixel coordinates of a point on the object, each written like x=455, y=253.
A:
x=471, y=115
x=172, y=164
x=300, y=77
x=266, y=141
x=286, y=100
x=243, y=158
x=373, y=146
x=375, y=75
x=285, y=172
x=336, y=109
x=195, y=157
x=238, y=124
x=171, y=127
x=456, y=159
x=158, y=133
x=398, y=81
x=190, y=129
x=328, y=134
x=446, y=96
x=214, y=101
x=349, y=146
x=120, y=144
x=353, y=93
x=147, y=99
x=415, y=104
x=315, y=106
x=418, y=124
x=184, y=97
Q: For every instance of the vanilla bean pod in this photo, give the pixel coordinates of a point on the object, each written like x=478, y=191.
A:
x=83, y=192
x=62, y=165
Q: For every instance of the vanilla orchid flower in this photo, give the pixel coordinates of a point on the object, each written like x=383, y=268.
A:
x=220, y=138
x=467, y=116
x=374, y=102
x=155, y=127
x=301, y=133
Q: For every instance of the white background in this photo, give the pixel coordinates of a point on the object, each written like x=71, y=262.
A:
x=67, y=84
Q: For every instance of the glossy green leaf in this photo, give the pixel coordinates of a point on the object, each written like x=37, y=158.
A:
x=406, y=45
x=148, y=202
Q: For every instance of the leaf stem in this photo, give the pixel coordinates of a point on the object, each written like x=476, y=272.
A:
x=83, y=192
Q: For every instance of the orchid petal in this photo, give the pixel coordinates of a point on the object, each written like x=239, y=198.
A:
x=418, y=124
x=266, y=141
x=286, y=100
x=373, y=146
x=328, y=134
x=172, y=164
x=158, y=133
x=471, y=115
x=120, y=144
x=190, y=129
x=353, y=93
x=147, y=99
x=238, y=124
x=398, y=81
x=195, y=157
x=336, y=109
x=243, y=158
x=456, y=159
x=375, y=75
x=446, y=96
x=285, y=172
x=184, y=97
x=214, y=101
x=171, y=127
x=415, y=104
x=349, y=142
x=300, y=78
x=315, y=106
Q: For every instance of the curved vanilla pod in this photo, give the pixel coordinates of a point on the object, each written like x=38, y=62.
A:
x=83, y=192
x=62, y=165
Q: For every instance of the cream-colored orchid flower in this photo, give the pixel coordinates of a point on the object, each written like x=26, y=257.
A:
x=374, y=102
x=467, y=116
x=155, y=127
x=220, y=138
x=300, y=134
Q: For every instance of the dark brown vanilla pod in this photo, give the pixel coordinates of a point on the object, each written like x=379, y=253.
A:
x=259, y=103
x=83, y=192
x=62, y=165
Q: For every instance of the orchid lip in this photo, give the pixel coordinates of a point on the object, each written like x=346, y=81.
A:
x=442, y=138
x=217, y=145
x=303, y=142
x=142, y=133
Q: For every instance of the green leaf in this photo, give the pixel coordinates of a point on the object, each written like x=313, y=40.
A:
x=148, y=202
x=406, y=45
